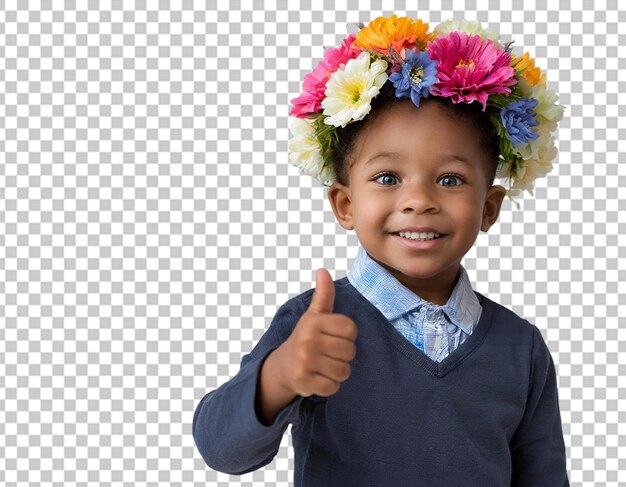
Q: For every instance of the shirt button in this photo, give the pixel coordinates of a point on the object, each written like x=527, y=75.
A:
x=451, y=328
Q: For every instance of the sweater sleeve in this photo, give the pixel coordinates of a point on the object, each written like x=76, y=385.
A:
x=226, y=428
x=537, y=446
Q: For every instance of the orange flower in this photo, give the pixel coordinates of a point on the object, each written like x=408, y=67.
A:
x=530, y=73
x=383, y=33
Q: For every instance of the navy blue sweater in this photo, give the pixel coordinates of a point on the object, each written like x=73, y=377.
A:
x=487, y=415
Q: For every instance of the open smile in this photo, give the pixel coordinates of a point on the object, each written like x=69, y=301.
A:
x=419, y=244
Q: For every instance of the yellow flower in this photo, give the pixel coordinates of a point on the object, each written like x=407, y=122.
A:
x=530, y=73
x=395, y=32
x=349, y=91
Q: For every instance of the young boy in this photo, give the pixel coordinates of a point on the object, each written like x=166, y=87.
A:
x=400, y=373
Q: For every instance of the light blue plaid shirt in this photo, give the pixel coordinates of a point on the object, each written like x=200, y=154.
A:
x=435, y=329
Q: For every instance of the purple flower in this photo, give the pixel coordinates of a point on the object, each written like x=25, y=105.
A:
x=518, y=118
x=417, y=75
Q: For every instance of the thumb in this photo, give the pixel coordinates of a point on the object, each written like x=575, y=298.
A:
x=324, y=294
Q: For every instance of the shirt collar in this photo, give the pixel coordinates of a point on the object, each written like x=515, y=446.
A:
x=393, y=299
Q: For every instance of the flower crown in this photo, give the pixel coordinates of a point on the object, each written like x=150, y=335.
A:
x=459, y=60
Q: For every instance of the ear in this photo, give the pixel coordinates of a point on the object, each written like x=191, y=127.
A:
x=340, y=199
x=491, y=209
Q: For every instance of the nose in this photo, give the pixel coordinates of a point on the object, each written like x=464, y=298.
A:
x=418, y=196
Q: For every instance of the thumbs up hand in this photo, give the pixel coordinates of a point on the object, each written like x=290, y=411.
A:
x=315, y=358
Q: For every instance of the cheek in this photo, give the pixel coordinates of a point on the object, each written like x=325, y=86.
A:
x=370, y=217
x=467, y=215
x=373, y=210
x=366, y=206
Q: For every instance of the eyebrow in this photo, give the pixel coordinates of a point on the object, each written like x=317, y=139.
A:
x=393, y=155
x=385, y=154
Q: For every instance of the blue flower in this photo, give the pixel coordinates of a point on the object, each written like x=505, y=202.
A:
x=518, y=118
x=417, y=75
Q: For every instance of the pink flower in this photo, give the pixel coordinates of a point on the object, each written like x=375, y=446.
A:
x=314, y=83
x=470, y=68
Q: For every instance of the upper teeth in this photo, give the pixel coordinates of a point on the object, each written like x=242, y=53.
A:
x=418, y=236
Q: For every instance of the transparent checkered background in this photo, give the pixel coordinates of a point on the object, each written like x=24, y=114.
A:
x=151, y=225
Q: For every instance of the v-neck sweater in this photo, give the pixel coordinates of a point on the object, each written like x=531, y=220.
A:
x=488, y=414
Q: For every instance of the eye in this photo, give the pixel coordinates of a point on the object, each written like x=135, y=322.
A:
x=383, y=175
x=448, y=177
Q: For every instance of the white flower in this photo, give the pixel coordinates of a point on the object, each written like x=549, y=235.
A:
x=529, y=169
x=530, y=150
x=304, y=149
x=547, y=110
x=305, y=152
x=537, y=154
x=349, y=91
x=470, y=27
x=327, y=176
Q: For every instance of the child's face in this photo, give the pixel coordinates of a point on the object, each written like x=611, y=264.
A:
x=416, y=192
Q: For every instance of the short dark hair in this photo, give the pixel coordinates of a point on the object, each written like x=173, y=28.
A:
x=342, y=152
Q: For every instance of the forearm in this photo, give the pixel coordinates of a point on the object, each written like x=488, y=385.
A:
x=272, y=394
x=226, y=426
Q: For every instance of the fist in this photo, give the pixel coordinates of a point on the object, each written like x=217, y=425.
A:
x=315, y=358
